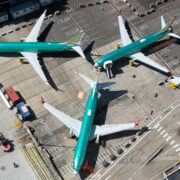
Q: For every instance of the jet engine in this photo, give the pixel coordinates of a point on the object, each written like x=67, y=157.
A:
x=107, y=66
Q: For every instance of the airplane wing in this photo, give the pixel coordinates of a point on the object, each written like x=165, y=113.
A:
x=125, y=39
x=144, y=59
x=71, y=123
x=33, y=60
x=33, y=35
x=110, y=129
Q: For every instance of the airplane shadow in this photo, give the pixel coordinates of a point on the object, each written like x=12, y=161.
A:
x=100, y=117
x=129, y=30
x=43, y=35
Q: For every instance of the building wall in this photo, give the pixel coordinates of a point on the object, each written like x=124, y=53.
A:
x=45, y=2
x=22, y=9
x=3, y=16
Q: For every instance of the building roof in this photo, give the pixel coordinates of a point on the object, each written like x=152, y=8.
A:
x=3, y=13
x=22, y=6
x=175, y=175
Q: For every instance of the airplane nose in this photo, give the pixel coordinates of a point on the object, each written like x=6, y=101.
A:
x=75, y=172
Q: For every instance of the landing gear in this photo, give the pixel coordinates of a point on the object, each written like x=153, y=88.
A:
x=107, y=66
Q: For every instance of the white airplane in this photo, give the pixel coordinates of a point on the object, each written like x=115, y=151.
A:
x=85, y=130
x=30, y=48
x=133, y=50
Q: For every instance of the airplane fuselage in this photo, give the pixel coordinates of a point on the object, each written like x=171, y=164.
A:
x=86, y=128
x=134, y=47
x=33, y=46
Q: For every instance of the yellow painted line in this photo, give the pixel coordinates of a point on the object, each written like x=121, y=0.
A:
x=129, y=164
x=145, y=148
x=157, y=136
x=114, y=178
x=122, y=171
x=138, y=155
x=151, y=142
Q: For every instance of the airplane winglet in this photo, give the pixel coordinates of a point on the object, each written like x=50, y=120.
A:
x=119, y=14
x=42, y=100
x=137, y=122
x=169, y=72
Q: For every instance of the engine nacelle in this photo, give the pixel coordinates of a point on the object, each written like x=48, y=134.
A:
x=107, y=64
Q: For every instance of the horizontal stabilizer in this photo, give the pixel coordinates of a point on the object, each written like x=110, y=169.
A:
x=105, y=84
x=89, y=81
x=173, y=35
x=79, y=51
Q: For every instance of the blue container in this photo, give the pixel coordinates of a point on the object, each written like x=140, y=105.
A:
x=22, y=109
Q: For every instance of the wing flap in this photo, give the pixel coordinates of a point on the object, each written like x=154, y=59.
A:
x=33, y=60
x=144, y=59
x=71, y=123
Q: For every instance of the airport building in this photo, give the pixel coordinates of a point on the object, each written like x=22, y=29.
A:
x=3, y=16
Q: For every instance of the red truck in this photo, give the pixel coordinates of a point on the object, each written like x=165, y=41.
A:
x=13, y=96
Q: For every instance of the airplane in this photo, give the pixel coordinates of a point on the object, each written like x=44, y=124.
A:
x=29, y=47
x=133, y=50
x=85, y=130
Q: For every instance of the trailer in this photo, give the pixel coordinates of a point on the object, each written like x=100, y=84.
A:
x=12, y=95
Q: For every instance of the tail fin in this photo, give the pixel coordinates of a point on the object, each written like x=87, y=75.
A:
x=89, y=81
x=164, y=26
x=76, y=41
x=100, y=85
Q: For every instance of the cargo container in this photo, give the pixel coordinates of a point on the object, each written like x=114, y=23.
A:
x=3, y=16
x=22, y=9
x=23, y=110
x=14, y=98
x=45, y=2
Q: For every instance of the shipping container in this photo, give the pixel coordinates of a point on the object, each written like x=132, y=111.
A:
x=22, y=9
x=14, y=98
x=3, y=16
x=45, y=2
x=23, y=110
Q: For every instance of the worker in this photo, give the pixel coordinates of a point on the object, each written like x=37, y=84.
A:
x=15, y=165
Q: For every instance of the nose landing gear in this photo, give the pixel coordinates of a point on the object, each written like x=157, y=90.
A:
x=107, y=66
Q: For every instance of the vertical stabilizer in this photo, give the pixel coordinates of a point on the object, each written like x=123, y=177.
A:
x=163, y=24
x=76, y=41
x=168, y=25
